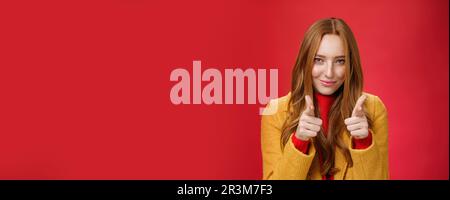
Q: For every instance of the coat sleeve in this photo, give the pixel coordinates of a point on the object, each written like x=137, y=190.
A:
x=288, y=163
x=372, y=163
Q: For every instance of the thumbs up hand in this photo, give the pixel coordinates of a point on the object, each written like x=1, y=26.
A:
x=357, y=124
x=308, y=124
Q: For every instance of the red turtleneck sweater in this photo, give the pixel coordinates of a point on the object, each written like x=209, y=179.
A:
x=325, y=102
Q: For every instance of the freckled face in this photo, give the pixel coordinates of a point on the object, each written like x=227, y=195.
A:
x=328, y=71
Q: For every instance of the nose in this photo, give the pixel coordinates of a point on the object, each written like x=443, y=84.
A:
x=329, y=70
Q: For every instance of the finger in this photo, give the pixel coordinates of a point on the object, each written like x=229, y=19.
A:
x=355, y=127
x=353, y=120
x=310, y=126
x=309, y=110
x=361, y=133
x=307, y=133
x=312, y=120
x=358, y=110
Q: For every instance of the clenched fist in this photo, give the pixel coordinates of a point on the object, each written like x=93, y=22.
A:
x=308, y=124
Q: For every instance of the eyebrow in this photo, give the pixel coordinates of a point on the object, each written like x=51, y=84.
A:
x=322, y=56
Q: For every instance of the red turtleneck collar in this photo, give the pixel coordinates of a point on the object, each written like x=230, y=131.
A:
x=324, y=103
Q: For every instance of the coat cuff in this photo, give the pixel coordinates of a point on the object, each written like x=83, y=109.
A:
x=300, y=145
x=362, y=143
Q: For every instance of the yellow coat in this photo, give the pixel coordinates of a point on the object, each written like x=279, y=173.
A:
x=291, y=164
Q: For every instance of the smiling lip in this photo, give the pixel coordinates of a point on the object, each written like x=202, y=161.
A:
x=327, y=83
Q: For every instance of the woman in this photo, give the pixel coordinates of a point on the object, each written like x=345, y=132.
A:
x=326, y=127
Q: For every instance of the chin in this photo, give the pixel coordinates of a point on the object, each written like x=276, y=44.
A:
x=326, y=91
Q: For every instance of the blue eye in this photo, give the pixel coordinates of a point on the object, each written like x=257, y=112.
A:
x=318, y=60
x=340, y=61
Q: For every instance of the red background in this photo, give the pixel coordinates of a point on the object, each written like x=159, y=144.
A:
x=85, y=85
